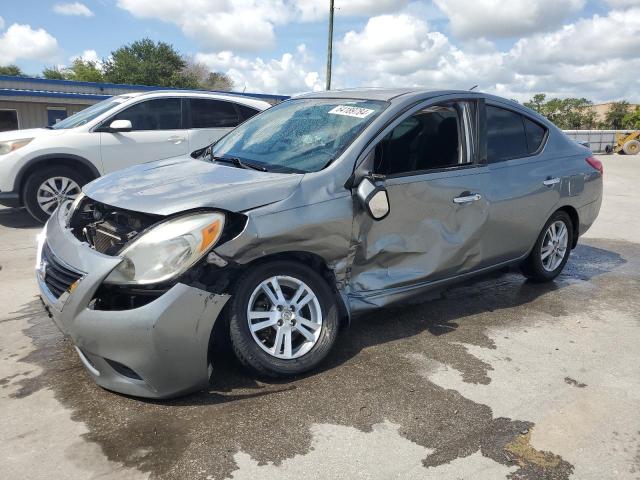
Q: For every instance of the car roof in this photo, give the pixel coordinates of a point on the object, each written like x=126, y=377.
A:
x=237, y=98
x=385, y=94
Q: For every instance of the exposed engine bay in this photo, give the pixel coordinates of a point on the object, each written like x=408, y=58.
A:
x=108, y=229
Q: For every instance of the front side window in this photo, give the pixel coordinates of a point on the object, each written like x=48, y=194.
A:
x=157, y=114
x=302, y=135
x=430, y=139
x=213, y=114
x=90, y=113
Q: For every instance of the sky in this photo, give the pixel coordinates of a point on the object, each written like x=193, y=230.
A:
x=513, y=48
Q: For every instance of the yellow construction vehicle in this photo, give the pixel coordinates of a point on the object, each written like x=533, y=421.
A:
x=626, y=143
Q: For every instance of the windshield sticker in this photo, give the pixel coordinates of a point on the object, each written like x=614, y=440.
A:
x=357, y=112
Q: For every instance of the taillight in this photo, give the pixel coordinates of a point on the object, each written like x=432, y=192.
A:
x=595, y=163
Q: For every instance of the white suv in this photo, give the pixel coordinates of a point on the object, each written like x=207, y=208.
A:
x=41, y=167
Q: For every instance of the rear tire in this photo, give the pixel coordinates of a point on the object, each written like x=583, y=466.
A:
x=551, y=251
x=47, y=187
x=296, y=332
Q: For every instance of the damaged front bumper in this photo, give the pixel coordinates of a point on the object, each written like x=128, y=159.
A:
x=158, y=350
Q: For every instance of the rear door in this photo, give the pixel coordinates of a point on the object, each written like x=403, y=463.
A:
x=157, y=133
x=436, y=189
x=210, y=119
x=523, y=187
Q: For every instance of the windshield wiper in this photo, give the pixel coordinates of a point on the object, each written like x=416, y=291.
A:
x=240, y=163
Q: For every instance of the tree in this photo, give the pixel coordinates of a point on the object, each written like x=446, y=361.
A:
x=218, y=81
x=54, y=73
x=536, y=103
x=145, y=62
x=85, y=71
x=12, y=70
x=632, y=119
x=566, y=113
x=205, y=78
x=615, y=116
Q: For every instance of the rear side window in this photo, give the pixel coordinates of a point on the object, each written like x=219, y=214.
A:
x=246, y=112
x=213, y=114
x=506, y=137
x=511, y=135
x=158, y=114
x=535, y=134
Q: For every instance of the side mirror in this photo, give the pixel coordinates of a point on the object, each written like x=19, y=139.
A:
x=374, y=198
x=121, y=126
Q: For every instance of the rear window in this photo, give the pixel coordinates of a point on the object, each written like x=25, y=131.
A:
x=213, y=114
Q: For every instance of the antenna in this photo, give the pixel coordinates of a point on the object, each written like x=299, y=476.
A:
x=474, y=87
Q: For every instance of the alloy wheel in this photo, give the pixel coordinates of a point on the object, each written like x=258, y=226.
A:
x=554, y=245
x=54, y=191
x=284, y=317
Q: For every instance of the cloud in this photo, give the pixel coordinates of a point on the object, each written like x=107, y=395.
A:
x=313, y=10
x=497, y=18
x=623, y=3
x=75, y=9
x=587, y=41
x=88, y=56
x=241, y=25
x=288, y=74
x=594, y=57
x=23, y=42
x=1, y=23
x=246, y=25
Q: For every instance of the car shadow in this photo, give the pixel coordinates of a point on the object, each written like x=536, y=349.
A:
x=17, y=218
x=483, y=299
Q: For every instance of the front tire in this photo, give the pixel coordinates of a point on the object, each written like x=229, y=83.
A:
x=48, y=187
x=283, y=319
x=551, y=251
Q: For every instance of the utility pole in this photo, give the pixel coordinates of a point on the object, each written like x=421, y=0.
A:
x=330, y=46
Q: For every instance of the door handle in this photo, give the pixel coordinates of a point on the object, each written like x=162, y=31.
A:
x=176, y=139
x=472, y=197
x=549, y=182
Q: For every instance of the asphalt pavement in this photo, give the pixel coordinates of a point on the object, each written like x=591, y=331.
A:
x=499, y=378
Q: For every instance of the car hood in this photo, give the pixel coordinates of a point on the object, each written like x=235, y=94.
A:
x=29, y=133
x=177, y=184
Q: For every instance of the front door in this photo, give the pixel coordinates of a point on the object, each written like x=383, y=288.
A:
x=439, y=210
x=157, y=133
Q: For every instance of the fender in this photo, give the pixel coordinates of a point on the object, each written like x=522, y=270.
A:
x=17, y=184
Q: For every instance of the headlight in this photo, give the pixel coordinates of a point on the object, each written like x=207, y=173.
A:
x=12, y=145
x=168, y=250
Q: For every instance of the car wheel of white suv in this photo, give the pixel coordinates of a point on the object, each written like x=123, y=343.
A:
x=45, y=189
